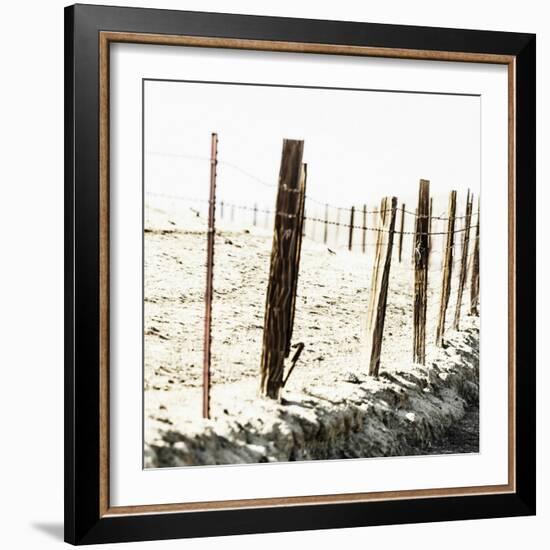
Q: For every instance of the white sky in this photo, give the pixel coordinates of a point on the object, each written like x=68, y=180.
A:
x=359, y=145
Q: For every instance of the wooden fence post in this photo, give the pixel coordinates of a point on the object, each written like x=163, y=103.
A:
x=221, y=210
x=283, y=275
x=401, y=230
x=474, y=282
x=458, y=228
x=447, y=270
x=375, y=223
x=421, y=256
x=379, y=283
x=337, y=227
x=364, y=237
x=463, y=261
x=209, y=279
x=232, y=212
x=413, y=235
x=351, y=220
x=297, y=252
x=430, y=224
x=430, y=239
x=325, y=233
x=255, y=215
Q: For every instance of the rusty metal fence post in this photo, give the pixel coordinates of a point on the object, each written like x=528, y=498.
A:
x=209, y=278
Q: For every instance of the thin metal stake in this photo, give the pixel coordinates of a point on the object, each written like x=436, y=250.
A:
x=209, y=278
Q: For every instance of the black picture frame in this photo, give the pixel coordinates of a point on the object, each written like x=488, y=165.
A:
x=84, y=524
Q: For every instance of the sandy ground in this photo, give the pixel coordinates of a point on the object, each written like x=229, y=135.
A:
x=330, y=320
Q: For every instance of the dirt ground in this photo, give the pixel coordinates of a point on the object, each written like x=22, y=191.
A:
x=331, y=315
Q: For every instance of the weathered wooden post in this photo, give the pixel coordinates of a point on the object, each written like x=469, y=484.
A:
x=379, y=283
x=447, y=270
x=375, y=223
x=401, y=230
x=458, y=244
x=474, y=282
x=325, y=233
x=283, y=275
x=364, y=239
x=463, y=260
x=421, y=257
x=221, y=210
x=430, y=240
x=430, y=225
x=297, y=254
x=337, y=226
x=209, y=279
x=351, y=220
x=255, y=215
x=413, y=236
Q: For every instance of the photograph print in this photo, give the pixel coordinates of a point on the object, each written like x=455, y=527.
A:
x=310, y=273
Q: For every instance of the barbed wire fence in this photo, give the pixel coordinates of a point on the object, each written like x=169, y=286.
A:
x=381, y=233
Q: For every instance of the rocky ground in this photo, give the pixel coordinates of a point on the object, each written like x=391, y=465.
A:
x=330, y=408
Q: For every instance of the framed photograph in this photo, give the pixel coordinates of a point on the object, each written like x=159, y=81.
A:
x=300, y=274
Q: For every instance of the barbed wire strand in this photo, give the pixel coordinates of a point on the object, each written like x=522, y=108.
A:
x=314, y=219
x=308, y=197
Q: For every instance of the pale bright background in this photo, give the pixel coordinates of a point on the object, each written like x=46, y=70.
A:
x=359, y=145
x=31, y=222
